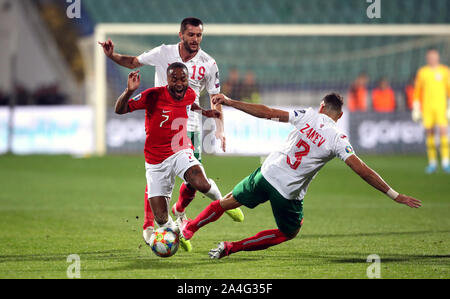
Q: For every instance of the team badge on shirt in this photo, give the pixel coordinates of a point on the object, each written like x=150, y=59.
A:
x=217, y=80
x=349, y=149
x=138, y=97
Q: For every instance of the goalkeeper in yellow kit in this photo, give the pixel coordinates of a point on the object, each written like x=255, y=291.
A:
x=432, y=105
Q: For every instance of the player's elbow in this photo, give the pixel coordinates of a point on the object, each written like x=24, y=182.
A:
x=278, y=115
x=269, y=114
x=359, y=167
x=134, y=64
x=120, y=110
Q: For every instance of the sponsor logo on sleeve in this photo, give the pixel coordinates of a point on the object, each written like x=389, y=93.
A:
x=296, y=112
x=138, y=97
x=349, y=149
x=217, y=80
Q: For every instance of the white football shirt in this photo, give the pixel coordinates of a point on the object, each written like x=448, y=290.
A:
x=203, y=73
x=313, y=142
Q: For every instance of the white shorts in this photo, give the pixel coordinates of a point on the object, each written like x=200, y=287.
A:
x=161, y=177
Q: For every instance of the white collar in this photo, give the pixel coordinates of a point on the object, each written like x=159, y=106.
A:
x=178, y=53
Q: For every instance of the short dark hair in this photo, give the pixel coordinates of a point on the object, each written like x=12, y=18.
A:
x=177, y=65
x=190, y=21
x=334, y=102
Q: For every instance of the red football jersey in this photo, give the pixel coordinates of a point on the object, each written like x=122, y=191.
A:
x=165, y=122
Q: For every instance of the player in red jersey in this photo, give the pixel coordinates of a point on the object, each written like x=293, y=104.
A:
x=168, y=150
x=204, y=75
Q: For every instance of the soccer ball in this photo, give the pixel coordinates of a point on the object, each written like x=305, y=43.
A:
x=164, y=242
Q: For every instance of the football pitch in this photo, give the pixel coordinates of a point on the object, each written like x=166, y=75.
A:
x=55, y=206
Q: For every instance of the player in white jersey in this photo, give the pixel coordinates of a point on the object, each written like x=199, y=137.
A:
x=203, y=74
x=286, y=174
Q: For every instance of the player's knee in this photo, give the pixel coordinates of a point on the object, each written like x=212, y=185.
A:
x=204, y=187
x=161, y=219
x=429, y=132
x=196, y=179
x=201, y=185
x=291, y=235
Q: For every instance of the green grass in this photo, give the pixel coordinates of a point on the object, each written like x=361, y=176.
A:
x=54, y=206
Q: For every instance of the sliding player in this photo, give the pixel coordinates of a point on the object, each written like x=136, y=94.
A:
x=203, y=73
x=168, y=150
x=432, y=105
x=285, y=176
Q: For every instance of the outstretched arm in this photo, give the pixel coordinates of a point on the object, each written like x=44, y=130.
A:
x=257, y=110
x=207, y=113
x=134, y=80
x=130, y=62
x=219, y=123
x=374, y=179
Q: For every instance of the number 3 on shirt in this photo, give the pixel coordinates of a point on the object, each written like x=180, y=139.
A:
x=299, y=155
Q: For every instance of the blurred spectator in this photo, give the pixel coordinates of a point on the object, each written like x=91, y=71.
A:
x=23, y=97
x=49, y=95
x=250, y=91
x=357, y=95
x=232, y=87
x=383, y=97
x=409, y=94
x=4, y=99
x=46, y=95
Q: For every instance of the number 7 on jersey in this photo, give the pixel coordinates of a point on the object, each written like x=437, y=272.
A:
x=166, y=118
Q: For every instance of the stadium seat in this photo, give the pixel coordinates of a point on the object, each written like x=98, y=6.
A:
x=343, y=57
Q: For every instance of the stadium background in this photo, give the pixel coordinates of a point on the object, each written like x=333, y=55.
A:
x=48, y=105
x=51, y=61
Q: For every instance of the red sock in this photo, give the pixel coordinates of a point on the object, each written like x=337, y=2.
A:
x=148, y=213
x=210, y=214
x=187, y=194
x=260, y=241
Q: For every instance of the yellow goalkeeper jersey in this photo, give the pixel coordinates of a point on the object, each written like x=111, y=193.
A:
x=432, y=88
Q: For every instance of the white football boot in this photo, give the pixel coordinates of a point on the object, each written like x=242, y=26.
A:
x=181, y=217
x=220, y=251
x=147, y=234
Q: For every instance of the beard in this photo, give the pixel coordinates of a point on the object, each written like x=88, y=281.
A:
x=188, y=47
